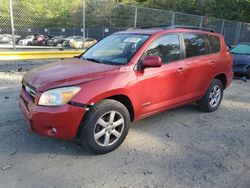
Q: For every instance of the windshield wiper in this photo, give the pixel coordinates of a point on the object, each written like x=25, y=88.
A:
x=94, y=60
x=103, y=61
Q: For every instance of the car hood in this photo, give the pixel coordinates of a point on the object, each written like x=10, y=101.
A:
x=241, y=59
x=67, y=73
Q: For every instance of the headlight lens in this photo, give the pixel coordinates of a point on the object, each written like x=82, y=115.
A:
x=56, y=97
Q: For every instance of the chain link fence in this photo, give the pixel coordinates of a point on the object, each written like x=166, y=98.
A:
x=100, y=18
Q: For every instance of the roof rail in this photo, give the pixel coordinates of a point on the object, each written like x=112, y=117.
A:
x=168, y=26
x=155, y=26
x=190, y=27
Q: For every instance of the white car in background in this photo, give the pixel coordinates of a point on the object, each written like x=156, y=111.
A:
x=27, y=41
x=8, y=39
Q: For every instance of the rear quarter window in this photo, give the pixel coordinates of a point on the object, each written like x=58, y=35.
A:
x=214, y=42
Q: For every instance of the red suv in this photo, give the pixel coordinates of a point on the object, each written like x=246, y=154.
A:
x=123, y=78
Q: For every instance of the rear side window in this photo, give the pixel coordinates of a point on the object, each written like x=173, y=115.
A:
x=195, y=45
x=167, y=47
x=214, y=42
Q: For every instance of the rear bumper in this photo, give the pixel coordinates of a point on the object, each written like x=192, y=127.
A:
x=230, y=76
x=65, y=119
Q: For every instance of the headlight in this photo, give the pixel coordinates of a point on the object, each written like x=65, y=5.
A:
x=56, y=97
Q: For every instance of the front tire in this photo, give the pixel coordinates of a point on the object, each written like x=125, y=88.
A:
x=213, y=97
x=105, y=127
x=248, y=74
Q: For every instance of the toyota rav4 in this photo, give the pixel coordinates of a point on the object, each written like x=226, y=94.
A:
x=125, y=77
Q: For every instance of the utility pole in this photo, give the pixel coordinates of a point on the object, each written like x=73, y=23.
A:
x=12, y=26
x=83, y=21
x=135, y=21
x=173, y=18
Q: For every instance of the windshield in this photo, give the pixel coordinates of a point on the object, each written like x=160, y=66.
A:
x=115, y=49
x=241, y=49
x=70, y=37
x=80, y=39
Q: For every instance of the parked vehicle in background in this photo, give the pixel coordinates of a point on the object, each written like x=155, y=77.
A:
x=241, y=59
x=70, y=39
x=39, y=40
x=36, y=40
x=125, y=77
x=8, y=39
x=47, y=38
x=56, y=41
x=79, y=43
x=28, y=41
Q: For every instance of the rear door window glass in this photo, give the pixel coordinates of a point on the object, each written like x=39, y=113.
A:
x=195, y=44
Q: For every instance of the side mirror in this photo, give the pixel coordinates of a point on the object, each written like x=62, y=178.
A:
x=152, y=61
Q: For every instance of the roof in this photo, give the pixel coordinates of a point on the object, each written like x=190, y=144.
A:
x=142, y=31
x=155, y=29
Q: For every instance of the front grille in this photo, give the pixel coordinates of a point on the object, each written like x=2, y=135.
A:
x=29, y=89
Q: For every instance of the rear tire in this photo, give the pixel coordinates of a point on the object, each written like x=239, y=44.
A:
x=213, y=97
x=105, y=126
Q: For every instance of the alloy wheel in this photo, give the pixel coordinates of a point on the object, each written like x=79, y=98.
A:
x=109, y=128
x=215, y=96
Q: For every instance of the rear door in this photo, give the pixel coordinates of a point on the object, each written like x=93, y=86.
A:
x=163, y=87
x=199, y=64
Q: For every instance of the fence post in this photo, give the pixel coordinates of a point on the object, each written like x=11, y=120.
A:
x=237, y=37
x=201, y=21
x=173, y=18
x=222, y=27
x=12, y=26
x=103, y=32
x=83, y=21
x=135, y=21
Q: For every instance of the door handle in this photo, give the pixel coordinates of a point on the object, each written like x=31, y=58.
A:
x=180, y=70
x=212, y=63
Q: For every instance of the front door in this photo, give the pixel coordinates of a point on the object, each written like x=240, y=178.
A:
x=162, y=87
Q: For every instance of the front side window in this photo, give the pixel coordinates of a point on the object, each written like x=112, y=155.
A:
x=167, y=47
x=195, y=45
x=115, y=49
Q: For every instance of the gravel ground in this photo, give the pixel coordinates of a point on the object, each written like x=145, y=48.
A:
x=178, y=148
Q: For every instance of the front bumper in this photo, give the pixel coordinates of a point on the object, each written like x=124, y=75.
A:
x=64, y=119
x=22, y=43
x=241, y=69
